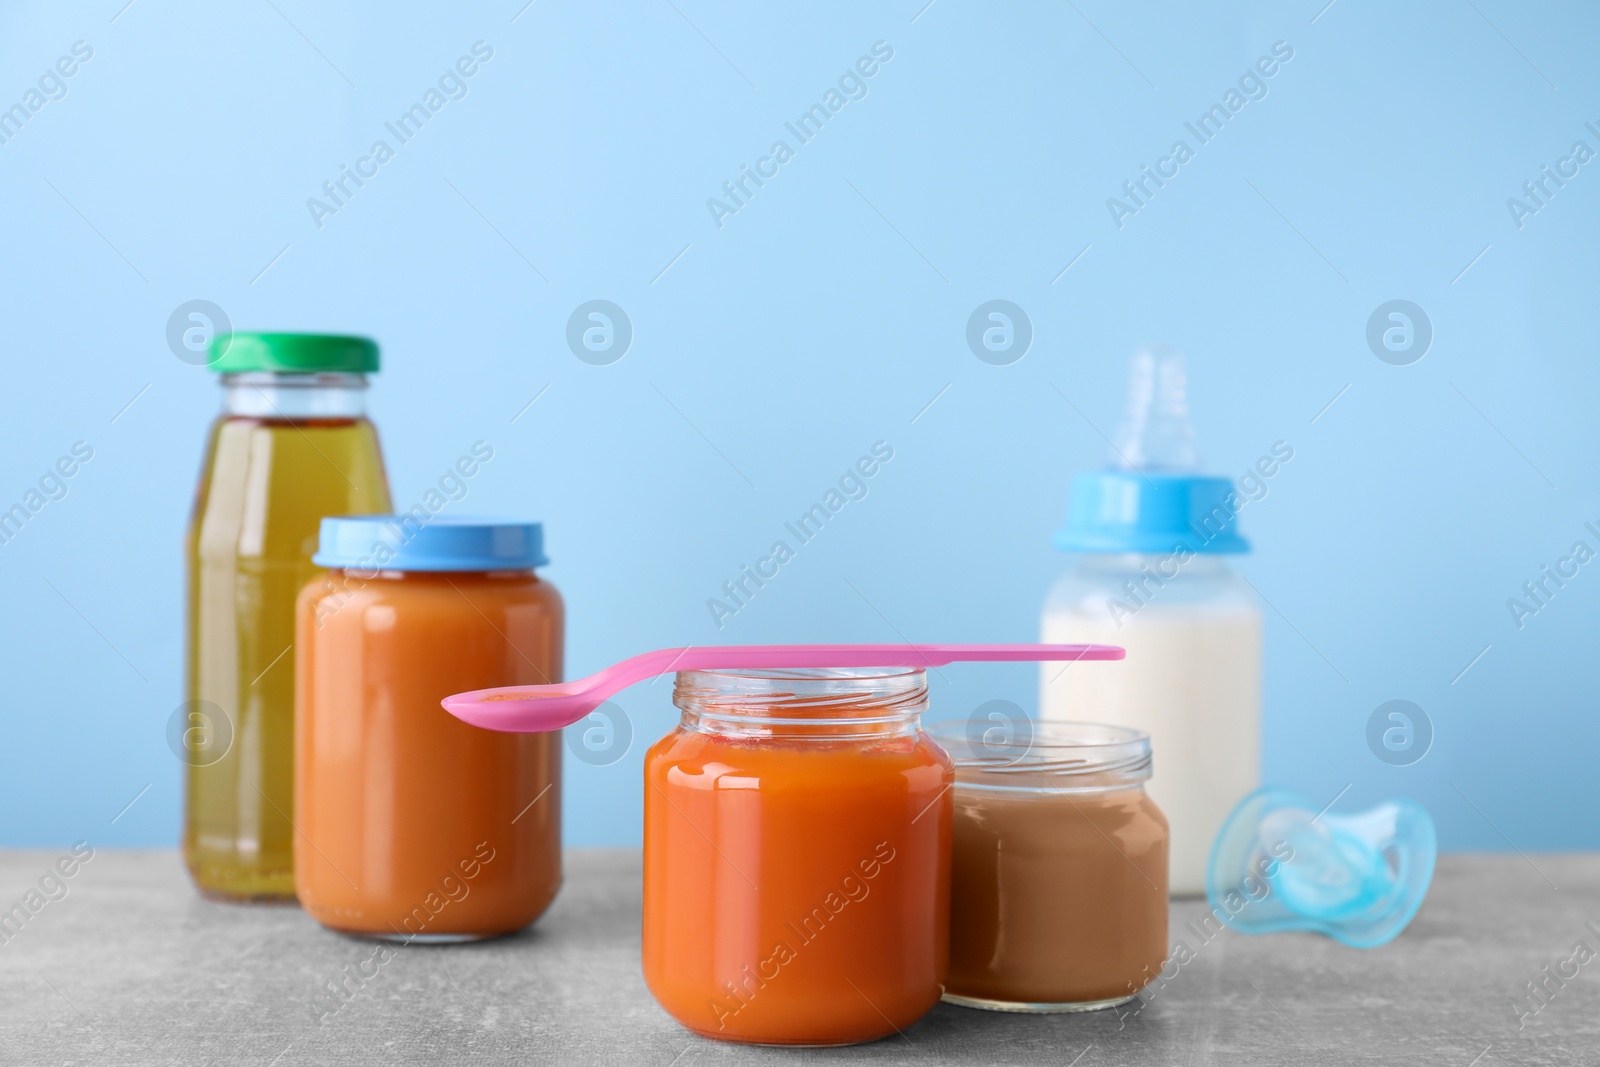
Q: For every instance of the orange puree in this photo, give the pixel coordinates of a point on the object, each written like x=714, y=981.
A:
x=796, y=888
x=411, y=822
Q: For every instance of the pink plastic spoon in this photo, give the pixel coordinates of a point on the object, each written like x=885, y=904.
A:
x=526, y=709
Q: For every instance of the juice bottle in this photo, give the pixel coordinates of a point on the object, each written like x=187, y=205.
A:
x=292, y=444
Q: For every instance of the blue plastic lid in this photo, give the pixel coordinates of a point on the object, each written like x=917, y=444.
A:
x=1125, y=511
x=407, y=543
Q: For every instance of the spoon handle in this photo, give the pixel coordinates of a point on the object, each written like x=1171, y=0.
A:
x=778, y=657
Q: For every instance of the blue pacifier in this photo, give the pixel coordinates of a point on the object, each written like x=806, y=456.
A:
x=1278, y=864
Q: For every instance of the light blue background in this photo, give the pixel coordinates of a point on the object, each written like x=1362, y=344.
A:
x=823, y=317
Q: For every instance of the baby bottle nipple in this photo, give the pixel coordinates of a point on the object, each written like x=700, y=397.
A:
x=1278, y=864
x=1156, y=436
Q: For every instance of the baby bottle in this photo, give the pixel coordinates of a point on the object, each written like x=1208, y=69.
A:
x=1151, y=536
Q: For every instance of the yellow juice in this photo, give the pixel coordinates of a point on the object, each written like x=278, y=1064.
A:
x=265, y=486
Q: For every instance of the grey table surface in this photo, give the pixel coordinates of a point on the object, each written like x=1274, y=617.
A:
x=130, y=966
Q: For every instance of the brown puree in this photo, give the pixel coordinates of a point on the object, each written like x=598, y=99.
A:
x=1057, y=898
x=1058, y=868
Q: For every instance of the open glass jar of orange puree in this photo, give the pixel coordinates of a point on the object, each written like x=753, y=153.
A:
x=797, y=856
x=414, y=825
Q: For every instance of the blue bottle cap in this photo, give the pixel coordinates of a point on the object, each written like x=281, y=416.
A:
x=1280, y=864
x=435, y=543
x=1125, y=511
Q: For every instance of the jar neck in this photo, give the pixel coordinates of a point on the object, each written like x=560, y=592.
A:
x=376, y=573
x=274, y=395
x=810, y=704
x=1054, y=757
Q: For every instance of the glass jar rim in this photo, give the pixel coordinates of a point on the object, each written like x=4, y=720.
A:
x=1046, y=755
x=809, y=674
x=294, y=378
x=871, y=698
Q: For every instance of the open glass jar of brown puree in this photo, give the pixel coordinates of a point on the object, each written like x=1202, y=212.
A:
x=1058, y=868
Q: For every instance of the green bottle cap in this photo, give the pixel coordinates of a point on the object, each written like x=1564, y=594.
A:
x=293, y=353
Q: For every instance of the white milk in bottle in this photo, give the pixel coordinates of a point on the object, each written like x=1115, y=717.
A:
x=1151, y=538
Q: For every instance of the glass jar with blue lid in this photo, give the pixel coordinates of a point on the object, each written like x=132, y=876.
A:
x=417, y=826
